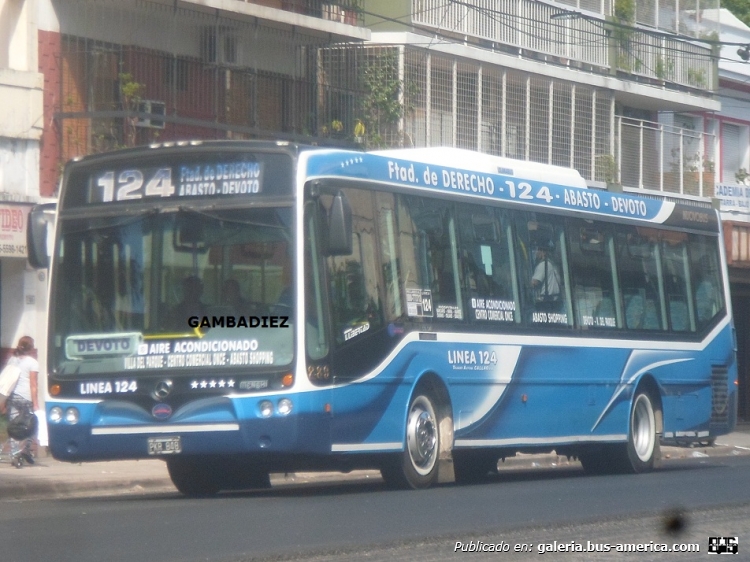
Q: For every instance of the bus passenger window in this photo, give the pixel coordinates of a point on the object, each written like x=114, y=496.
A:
x=540, y=249
x=354, y=279
x=491, y=294
x=704, y=260
x=639, y=266
x=592, y=266
x=429, y=254
x=394, y=309
x=678, y=283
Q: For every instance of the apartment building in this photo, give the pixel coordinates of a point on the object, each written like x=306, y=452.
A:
x=22, y=290
x=127, y=72
x=732, y=191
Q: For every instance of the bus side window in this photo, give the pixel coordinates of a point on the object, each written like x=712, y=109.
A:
x=678, y=283
x=639, y=266
x=394, y=308
x=429, y=256
x=709, y=297
x=543, y=273
x=354, y=279
x=486, y=262
x=592, y=268
x=315, y=334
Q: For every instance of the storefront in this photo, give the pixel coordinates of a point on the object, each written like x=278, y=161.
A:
x=22, y=290
x=734, y=203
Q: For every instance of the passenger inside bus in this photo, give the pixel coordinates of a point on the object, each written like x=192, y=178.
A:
x=190, y=305
x=232, y=297
x=546, y=281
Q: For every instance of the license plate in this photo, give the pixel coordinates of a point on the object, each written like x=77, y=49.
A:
x=164, y=445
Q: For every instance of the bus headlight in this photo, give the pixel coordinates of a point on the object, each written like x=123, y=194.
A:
x=285, y=406
x=55, y=414
x=265, y=408
x=72, y=415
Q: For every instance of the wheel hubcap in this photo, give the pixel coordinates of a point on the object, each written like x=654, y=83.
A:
x=643, y=428
x=422, y=438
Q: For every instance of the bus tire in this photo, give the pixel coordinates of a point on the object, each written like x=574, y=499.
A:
x=417, y=466
x=642, y=449
x=193, y=476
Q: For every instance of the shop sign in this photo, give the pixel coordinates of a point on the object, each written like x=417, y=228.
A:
x=13, y=231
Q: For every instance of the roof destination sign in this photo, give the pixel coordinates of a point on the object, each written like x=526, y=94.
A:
x=498, y=184
x=213, y=179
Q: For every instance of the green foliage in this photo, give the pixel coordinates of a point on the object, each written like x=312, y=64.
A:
x=664, y=68
x=382, y=105
x=606, y=168
x=697, y=77
x=625, y=11
x=130, y=90
x=740, y=8
x=624, y=15
x=131, y=94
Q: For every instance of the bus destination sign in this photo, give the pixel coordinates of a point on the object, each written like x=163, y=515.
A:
x=215, y=179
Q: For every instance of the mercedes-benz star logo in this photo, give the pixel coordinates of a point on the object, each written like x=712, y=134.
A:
x=162, y=389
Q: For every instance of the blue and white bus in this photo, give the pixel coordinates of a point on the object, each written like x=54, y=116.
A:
x=239, y=308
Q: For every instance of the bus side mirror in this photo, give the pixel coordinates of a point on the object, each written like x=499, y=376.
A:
x=340, y=227
x=39, y=234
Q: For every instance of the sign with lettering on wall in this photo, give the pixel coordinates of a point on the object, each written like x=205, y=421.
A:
x=13, y=230
x=733, y=197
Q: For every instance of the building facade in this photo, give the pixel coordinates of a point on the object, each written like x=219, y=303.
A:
x=732, y=192
x=22, y=290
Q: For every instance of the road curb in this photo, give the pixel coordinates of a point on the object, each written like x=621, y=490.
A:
x=63, y=480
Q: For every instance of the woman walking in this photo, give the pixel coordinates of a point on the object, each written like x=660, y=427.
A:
x=24, y=397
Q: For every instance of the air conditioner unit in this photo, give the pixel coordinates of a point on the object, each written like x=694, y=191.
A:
x=158, y=109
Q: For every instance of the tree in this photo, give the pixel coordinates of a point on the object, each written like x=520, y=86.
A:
x=740, y=8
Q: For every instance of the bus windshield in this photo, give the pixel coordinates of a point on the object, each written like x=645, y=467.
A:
x=173, y=290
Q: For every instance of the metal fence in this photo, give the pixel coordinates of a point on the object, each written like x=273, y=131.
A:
x=414, y=97
x=137, y=72
x=585, y=37
x=411, y=96
x=202, y=76
x=666, y=158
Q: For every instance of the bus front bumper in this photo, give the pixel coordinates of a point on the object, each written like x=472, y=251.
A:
x=110, y=431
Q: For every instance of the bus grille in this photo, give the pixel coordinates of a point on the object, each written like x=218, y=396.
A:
x=719, y=395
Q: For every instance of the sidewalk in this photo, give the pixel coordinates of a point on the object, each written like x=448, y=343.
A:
x=49, y=478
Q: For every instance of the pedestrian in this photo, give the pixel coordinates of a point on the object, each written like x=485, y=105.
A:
x=24, y=397
x=546, y=281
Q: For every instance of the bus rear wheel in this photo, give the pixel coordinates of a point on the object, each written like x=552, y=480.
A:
x=642, y=448
x=641, y=451
x=417, y=466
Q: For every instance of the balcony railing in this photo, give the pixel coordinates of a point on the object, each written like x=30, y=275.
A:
x=528, y=27
x=664, y=158
x=342, y=11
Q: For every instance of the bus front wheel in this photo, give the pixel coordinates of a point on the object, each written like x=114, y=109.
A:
x=193, y=476
x=417, y=466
